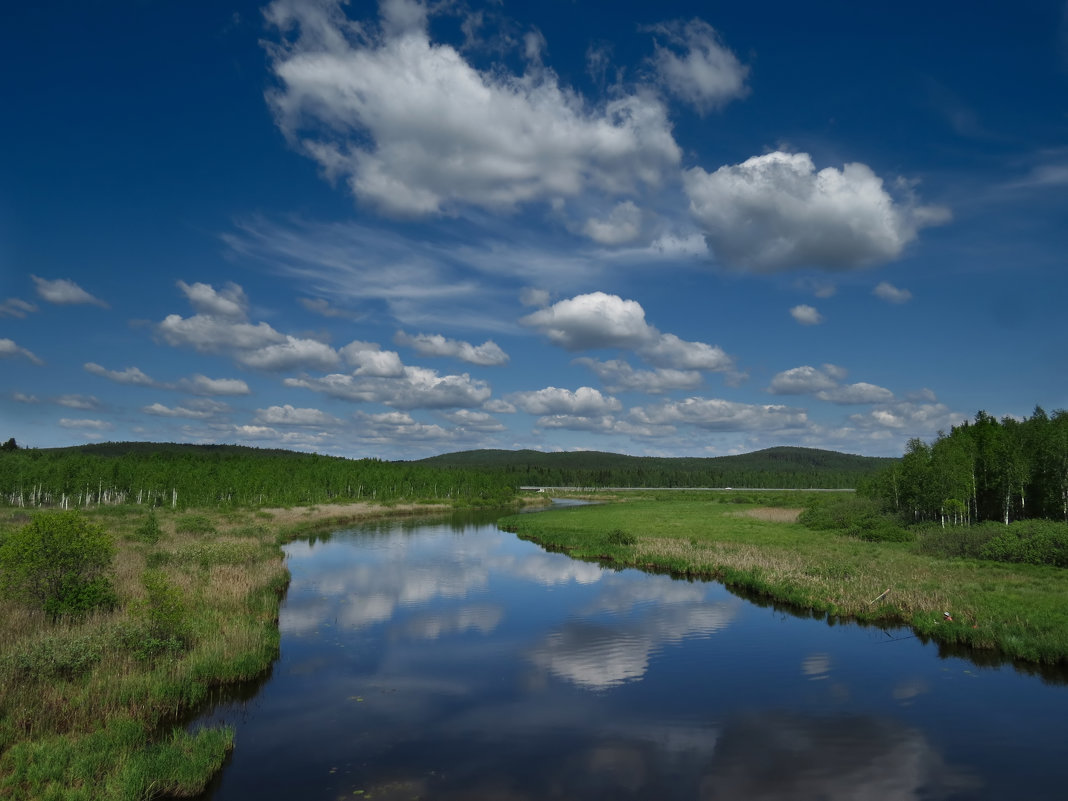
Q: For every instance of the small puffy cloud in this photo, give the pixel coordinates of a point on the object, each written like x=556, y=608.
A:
x=776, y=212
x=83, y=402
x=596, y=320
x=416, y=388
x=622, y=225
x=291, y=354
x=9, y=349
x=159, y=410
x=16, y=307
x=131, y=375
x=213, y=335
x=65, y=293
x=202, y=385
x=910, y=419
x=498, y=406
x=720, y=415
x=414, y=129
x=619, y=376
x=86, y=425
x=370, y=360
x=290, y=416
x=21, y=397
x=600, y=320
x=229, y=303
x=399, y=426
x=695, y=65
x=891, y=294
x=668, y=351
x=806, y=315
x=488, y=354
x=584, y=401
x=805, y=380
x=823, y=383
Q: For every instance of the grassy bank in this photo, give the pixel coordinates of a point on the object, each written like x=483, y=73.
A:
x=91, y=708
x=1018, y=610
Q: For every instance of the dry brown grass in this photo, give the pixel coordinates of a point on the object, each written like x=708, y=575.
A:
x=772, y=514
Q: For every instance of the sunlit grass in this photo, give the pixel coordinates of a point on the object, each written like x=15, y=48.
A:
x=1020, y=610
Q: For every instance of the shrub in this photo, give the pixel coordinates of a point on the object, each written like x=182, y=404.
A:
x=56, y=656
x=853, y=516
x=149, y=530
x=163, y=617
x=59, y=562
x=620, y=537
x=1036, y=542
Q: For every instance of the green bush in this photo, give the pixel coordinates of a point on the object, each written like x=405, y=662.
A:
x=1035, y=542
x=149, y=530
x=163, y=617
x=853, y=516
x=961, y=542
x=56, y=656
x=620, y=537
x=59, y=562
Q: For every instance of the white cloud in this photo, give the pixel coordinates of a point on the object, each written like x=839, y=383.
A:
x=469, y=420
x=720, y=415
x=775, y=212
x=64, y=292
x=131, y=375
x=622, y=225
x=291, y=354
x=213, y=335
x=202, y=385
x=538, y=298
x=16, y=307
x=393, y=426
x=805, y=380
x=823, y=383
x=86, y=425
x=596, y=320
x=806, y=315
x=891, y=294
x=600, y=320
x=287, y=415
x=324, y=308
x=488, y=354
x=189, y=411
x=8, y=348
x=370, y=360
x=415, y=130
x=584, y=401
x=417, y=388
x=910, y=419
x=696, y=66
x=619, y=376
x=24, y=398
x=83, y=402
x=229, y=303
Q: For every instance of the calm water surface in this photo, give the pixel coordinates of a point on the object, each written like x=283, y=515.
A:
x=451, y=660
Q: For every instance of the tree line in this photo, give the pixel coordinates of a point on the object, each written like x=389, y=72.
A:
x=206, y=476
x=982, y=470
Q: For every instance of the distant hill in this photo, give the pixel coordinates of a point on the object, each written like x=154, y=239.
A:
x=772, y=467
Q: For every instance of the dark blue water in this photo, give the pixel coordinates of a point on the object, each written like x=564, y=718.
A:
x=454, y=661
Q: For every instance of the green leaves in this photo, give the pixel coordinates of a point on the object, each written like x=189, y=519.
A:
x=59, y=562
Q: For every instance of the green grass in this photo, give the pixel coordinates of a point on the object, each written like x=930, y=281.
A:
x=92, y=707
x=1019, y=610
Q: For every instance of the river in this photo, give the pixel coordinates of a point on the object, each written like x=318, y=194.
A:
x=450, y=660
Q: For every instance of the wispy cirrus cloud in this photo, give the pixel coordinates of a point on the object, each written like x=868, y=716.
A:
x=8, y=349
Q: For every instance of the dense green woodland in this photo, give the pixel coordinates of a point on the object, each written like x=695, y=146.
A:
x=787, y=468
x=213, y=475
x=982, y=470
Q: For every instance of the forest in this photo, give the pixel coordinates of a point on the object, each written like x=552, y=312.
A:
x=781, y=468
x=982, y=470
x=185, y=476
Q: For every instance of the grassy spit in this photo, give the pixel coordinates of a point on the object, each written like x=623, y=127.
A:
x=91, y=709
x=751, y=542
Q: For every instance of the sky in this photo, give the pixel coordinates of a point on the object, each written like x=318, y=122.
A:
x=400, y=229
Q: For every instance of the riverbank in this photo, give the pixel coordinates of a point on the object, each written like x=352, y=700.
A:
x=91, y=709
x=1016, y=611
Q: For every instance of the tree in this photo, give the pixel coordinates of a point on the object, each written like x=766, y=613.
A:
x=10, y=445
x=58, y=562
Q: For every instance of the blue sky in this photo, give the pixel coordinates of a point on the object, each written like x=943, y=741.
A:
x=402, y=229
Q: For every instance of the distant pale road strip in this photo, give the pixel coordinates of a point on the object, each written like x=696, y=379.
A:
x=683, y=489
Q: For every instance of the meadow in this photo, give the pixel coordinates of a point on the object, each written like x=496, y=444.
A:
x=753, y=543
x=92, y=706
